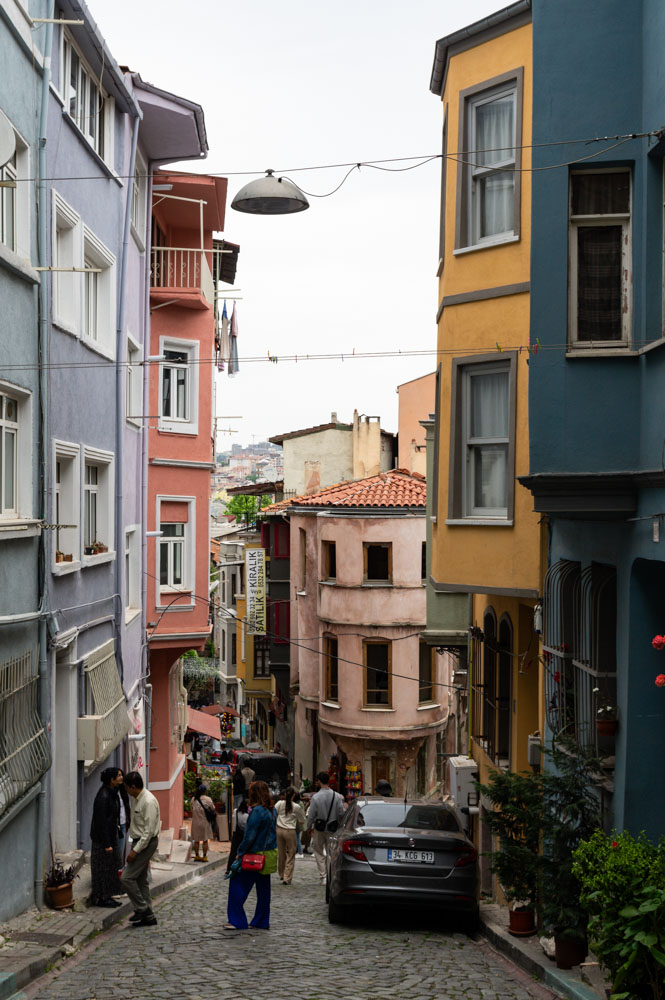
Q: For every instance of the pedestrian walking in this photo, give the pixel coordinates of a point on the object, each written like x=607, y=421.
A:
x=240, y=817
x=105, y=860
x=204, y=819
x=260, y=837
x=144, y=830
x=325, y=811
x=290, y=819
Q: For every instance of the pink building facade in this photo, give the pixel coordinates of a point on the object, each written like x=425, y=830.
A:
x=180, y=456
x=370, y=697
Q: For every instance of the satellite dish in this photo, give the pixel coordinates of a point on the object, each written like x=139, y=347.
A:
x=7, y=139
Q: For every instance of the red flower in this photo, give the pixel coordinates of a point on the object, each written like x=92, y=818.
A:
x=615, y=843
x=658, y=642
x=660, y=680
x=557, y=677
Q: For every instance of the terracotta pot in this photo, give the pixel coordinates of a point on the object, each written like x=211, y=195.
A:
x=60, y=896
x=569, y=952
x=607, y=727
x=521, y=923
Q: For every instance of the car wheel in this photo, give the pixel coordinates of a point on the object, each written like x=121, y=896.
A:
x=335, y=912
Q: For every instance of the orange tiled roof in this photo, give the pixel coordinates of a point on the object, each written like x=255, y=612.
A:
x=397, y=488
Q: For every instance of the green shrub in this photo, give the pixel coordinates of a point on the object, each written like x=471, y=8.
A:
x=622, y=883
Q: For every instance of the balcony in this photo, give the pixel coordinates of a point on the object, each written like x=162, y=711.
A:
x=181, y=275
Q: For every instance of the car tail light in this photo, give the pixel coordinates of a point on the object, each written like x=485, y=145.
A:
x=469, y=857
x=354, y=848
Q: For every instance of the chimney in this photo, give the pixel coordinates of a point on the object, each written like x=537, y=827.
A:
x=333, y=417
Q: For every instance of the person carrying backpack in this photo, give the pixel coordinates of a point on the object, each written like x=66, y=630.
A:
x=323, y=817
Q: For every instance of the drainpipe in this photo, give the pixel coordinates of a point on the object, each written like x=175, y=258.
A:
x=119, y=411
x=145, y=430
x=43, y=340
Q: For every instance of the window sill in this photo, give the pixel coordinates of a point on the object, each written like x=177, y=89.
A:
x=98, y=560
x=65, y=326
x=330, y=704
x=138, y=239
x=377, y=708
x=131, y=614
x=483, y=522
x=190, y=430
x=102, y=164
x=427, y=706
x=11, y=261
x=601, y=352
x=377, y=583
x=499, y=242
x=97, y=347
x=64, y=568
x=20, y=527
x=329, y=582
x=134, y=424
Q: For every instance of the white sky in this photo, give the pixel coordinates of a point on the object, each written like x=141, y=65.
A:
x=297, y=84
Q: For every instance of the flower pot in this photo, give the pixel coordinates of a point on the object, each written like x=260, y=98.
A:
x=521, y=923
x=607, y=727
x=60, y=896
x=569, y=951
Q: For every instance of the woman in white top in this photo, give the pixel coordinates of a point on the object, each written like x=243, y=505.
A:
x=290, y=817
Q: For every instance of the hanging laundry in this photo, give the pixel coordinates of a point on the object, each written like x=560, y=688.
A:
x=234, y=367
x=224, y=346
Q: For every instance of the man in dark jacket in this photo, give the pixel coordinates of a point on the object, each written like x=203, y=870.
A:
x=105, y=859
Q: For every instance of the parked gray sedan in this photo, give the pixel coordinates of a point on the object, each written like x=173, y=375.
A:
x=413, y=853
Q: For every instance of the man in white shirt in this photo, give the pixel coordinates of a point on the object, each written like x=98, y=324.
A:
x=325, y=810
x=144, y=836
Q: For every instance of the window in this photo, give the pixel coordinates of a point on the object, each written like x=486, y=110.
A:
x=8, y=455
x=488, y=208
x=171, y=555
x=282, y=541
x=261, y=658
x=600, y=258
x=8, y=204
x=105, y=697
x=330, y=667
x=423, y=561
x=426, y=672
x=377, y=657
x=377, y=562
x=329, y=560
x=66, y=256
x=85, y=102
x=66, y=507
x=134, y=383
x=97, y=503
x=15, y=452
x=483, y=435
x=24, y=745
x=178, y=403
x=491, y=688
x=302, y=583
x=139, y=200
x=98, y=278
x=132, y=572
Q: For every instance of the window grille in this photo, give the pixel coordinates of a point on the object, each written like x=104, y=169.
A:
x=24, y=749
x=103, y=680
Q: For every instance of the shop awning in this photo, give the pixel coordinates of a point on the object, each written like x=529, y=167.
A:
x=199, y=722
x=220, y=709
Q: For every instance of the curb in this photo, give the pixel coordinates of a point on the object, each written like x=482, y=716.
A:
x=12, y=983
x=563, y=982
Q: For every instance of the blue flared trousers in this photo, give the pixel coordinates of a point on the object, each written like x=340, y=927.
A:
x=240, y=886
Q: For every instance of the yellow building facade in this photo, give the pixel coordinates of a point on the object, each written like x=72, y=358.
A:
x=487, y=551
x=253, y=670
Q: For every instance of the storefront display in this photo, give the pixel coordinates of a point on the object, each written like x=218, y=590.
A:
x=354, y=781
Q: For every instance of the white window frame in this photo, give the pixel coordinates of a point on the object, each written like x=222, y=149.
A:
x=469, y=443
x=476, y=171
x=98, y=312
x=190, y=423
x=21, y=430
x=17, y=171
x=134, y=383
x=576, y=222
x=104, y=489
x=132, y=572
x=67, y=253
x=139, y=201
x=66, y=506
x=171, y=543
x=164, y=594
x=96, y=129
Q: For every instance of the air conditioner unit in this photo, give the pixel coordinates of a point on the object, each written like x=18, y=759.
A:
x=90, y=744
x=462, y=772
x=534, y=749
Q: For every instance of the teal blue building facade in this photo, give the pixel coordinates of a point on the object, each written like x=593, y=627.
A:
x=596, y=386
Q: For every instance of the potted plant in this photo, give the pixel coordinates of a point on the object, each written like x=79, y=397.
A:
x=606, y=720
x=60, y=885
x=571, y=814
x=516, y=861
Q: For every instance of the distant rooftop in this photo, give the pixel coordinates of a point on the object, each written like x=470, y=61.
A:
x=396, y=489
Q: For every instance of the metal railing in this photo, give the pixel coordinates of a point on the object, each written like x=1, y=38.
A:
x=24, y=747
x=182, y=267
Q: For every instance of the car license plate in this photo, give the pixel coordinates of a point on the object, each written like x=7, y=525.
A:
x=419, y=857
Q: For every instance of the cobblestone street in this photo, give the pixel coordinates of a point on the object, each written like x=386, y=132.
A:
x=188, y=955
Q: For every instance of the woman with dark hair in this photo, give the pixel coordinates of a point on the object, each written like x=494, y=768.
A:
x=105, y=858
x=290, y=818
x=260, y=837
x=203, y=816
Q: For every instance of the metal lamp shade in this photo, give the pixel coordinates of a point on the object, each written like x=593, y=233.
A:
x=270, y=195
